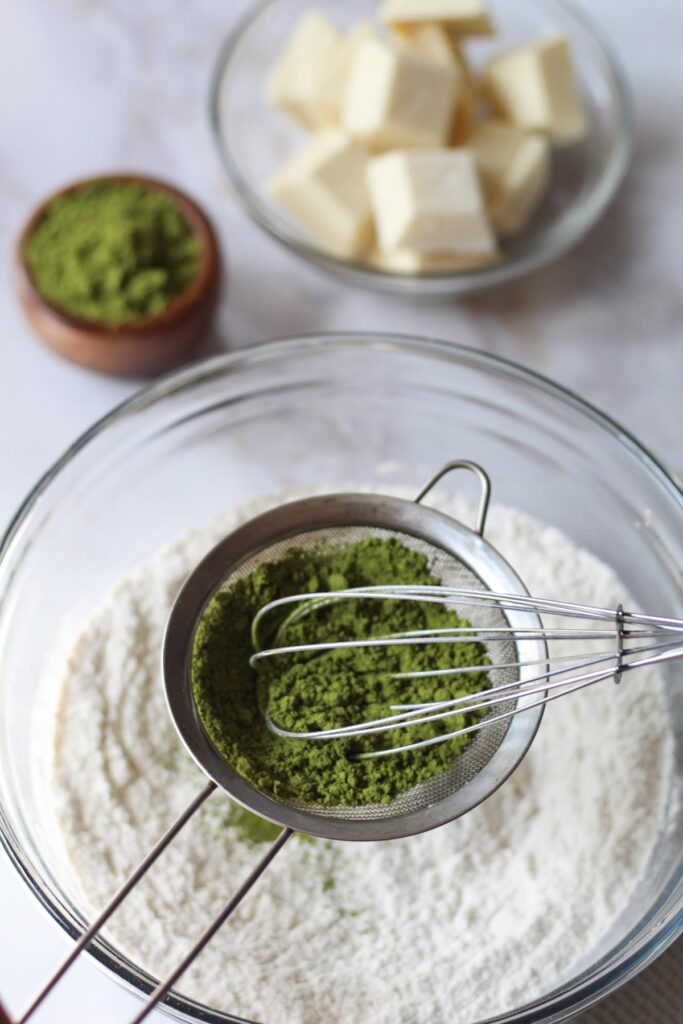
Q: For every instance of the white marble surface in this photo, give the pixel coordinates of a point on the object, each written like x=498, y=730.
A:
x=92, y=85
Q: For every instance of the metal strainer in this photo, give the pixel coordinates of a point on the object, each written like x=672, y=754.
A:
x=461, y=557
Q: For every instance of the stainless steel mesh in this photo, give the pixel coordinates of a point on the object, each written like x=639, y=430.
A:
x=458, y=555
x=453, y=573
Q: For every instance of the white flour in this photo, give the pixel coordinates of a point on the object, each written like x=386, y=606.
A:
x=452, y=926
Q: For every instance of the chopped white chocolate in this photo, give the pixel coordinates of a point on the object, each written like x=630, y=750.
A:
x=434, y=41
x=334, y=73
x=429, y=201
x=465, y=17
x=293, y=83
x=469, y=102
x=514, y=167
x=394, y=98
x=406, y=168
x=428, y=39
x=324, y=188
x=408, y=261
x=534, y=86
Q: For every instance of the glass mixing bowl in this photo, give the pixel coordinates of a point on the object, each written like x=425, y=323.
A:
x=254, y=140
x=301, y=413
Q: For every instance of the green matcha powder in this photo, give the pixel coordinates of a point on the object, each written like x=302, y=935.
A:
x=112, y=252
x=309, y=692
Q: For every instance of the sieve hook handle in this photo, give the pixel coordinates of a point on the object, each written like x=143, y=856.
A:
x=481, y=475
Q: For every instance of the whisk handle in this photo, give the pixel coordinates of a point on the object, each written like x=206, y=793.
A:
x=167, y=984
x=481, y=475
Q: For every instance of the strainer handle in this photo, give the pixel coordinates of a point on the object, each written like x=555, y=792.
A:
x=165, y=986
x=481, y=475
x=130, y=883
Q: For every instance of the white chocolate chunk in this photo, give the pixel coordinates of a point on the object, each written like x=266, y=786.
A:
x=470, y=100
x=394, y=98
x=324, y=188
x=293, y=83
x=334, y=74
x=429, y=201
x=408, y=261
x=428, y=39
x=465, y=17
x=514, y=167
x=435, y=42
x=534, y=86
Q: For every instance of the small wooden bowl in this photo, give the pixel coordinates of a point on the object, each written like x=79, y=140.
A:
x=143, y=346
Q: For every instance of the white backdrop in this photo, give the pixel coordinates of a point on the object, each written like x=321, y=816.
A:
x=88, y=86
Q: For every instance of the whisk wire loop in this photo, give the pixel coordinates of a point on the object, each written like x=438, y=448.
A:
x=638, y=639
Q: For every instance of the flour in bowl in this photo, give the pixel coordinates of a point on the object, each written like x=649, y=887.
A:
x=455, y=925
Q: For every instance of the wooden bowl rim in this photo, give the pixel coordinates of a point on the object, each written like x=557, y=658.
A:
x=198, y=289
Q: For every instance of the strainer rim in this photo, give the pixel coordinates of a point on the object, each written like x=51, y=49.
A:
x=233, y=550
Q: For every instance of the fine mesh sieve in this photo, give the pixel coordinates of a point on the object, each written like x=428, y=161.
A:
x=457, y=555
x=450, y=572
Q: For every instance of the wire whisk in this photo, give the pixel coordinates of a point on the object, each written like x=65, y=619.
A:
x=627, y=640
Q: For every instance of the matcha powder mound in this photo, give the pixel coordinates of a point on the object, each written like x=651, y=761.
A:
x=112, y=252
x=306, y=692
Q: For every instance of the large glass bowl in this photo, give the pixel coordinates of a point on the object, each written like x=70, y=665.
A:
x=254, y=140
x=301, y=413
